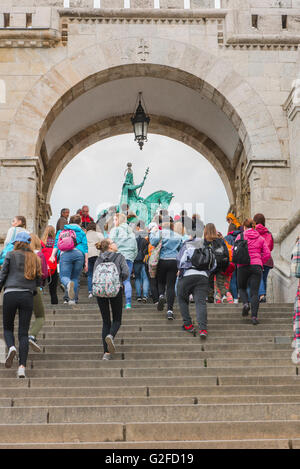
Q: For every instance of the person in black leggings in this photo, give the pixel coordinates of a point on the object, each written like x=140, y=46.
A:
x=20, y=277
x=167, y=265
x=110, y=327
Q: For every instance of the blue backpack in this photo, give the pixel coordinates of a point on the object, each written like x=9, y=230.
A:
x=9, y=247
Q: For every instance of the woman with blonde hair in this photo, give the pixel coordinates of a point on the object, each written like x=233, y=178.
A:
x=20, y=277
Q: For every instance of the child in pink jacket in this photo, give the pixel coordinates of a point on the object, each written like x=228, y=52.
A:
x=260, y=221
x=251, y=275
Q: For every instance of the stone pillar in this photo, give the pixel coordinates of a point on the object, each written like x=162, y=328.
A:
x=270, y=191
x=292, y=108
x=20, y=180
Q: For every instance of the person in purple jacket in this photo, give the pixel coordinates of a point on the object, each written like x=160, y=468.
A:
x=251, y=274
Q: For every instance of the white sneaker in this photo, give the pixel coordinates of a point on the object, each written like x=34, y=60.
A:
x=71, y=291
x=296, y=356
x=71, y=302
x=33, y=344
x=110, y=344
x=236, y=301
x=21, y=372
x=10, y=357
x=107, y=356
x=90, y=295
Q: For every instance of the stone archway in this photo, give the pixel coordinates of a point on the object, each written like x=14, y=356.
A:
x=188, y=66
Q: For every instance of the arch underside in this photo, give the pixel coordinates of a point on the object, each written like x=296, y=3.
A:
x=207, y=75
x=122, y=125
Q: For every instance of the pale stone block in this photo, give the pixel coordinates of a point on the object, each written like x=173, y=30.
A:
x=267, y=151
x=274, y=97
x=270, y=24
x=202, y=4
x=77, y=43
x=112, y=3
x=171, y=3
x=270, y=3
x=18, y=20
x=9, y=203
x=142, y=3
x=42, y=18
x=288, y=56
x=81, y=3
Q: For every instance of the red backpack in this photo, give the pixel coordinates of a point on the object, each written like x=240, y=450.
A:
x=45, y=272
x=52, y=266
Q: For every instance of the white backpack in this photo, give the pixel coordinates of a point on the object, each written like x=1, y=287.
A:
x=106, y=279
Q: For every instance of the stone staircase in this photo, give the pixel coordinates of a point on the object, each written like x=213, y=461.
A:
x=164, y=388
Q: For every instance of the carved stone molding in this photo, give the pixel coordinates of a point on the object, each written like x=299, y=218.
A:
x=252, y=164
x=292, y=104
x=263, y=41
x=33, y=38
x=141, y=16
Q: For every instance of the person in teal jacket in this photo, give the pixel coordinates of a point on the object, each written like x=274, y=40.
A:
x=72, y=262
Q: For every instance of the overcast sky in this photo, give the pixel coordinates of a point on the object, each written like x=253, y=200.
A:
x=95, y=177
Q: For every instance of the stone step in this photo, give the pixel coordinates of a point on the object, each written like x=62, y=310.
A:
x=188, y=346
x=226, y=444
x=150, y=432
x=196, y=392
x=149, y=413
x=203, y=379
x=38, y=358
x=129, y=401
x=199, y=371
x=176, y=332
x=164, y=363
x=153, y=324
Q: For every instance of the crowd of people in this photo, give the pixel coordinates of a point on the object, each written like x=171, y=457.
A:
x=169, y=258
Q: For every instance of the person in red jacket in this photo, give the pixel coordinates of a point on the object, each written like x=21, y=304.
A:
x=265, y=233
x=86, y=219
x=251, y=274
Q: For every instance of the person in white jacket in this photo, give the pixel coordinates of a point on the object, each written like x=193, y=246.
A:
x=17, y=226
x=93, y=237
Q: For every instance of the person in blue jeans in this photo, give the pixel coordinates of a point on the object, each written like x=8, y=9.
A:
x=72, y=262
x=122, y=234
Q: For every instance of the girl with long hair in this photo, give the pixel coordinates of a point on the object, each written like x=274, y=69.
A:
x=20, y=277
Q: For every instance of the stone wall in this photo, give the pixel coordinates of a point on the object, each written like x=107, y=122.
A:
x=256, y=42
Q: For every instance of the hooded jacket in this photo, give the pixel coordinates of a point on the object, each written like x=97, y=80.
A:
x=258, y=250
x=81, y=239
x=265, y=233
x=124, y=238
x=118, y=259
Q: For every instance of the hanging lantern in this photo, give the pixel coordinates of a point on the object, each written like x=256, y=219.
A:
x=140, y=122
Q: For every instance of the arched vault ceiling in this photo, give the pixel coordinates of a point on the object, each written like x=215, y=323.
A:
x=162, y=98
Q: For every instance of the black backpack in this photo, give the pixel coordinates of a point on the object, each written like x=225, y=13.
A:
x=241, y=252
x=203, y=258
x=221, y=252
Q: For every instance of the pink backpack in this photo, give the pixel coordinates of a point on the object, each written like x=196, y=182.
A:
x=66, y=240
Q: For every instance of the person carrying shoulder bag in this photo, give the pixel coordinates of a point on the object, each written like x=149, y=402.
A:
x=20, y=277
x=110, y=271
x=295, y=271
